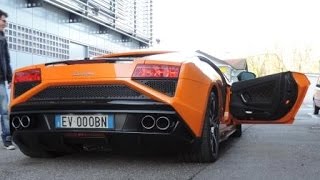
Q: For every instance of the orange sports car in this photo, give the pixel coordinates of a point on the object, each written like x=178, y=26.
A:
x=146, y=99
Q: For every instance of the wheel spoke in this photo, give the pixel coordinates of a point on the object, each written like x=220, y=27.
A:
x=214, y=125
x=213, y=139
x=212, y=109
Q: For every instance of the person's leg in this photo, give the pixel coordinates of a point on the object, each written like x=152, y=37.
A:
x=5, y=134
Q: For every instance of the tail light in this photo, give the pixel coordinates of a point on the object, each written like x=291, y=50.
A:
x=156, y=71
x=31, y=75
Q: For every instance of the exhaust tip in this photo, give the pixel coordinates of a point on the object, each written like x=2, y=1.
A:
x=163, y=123
x=16, y=122
x=25, y=121
x=148, y=122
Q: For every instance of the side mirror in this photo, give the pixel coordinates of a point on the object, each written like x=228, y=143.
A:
x=246, y=76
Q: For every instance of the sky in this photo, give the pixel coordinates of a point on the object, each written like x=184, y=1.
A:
x=237, y=28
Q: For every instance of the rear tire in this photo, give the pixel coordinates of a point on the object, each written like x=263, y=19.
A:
x=238, y=131
x=207, y=150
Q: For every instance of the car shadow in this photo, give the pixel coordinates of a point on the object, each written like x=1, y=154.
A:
x=159, y=156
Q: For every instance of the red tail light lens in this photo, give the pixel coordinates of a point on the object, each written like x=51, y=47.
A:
x=31, y=75
x=156, y=71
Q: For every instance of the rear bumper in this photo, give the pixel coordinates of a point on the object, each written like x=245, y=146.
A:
x=70, y=142
x=128, y=127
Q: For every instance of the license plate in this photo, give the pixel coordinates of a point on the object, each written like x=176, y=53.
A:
x=101, y=121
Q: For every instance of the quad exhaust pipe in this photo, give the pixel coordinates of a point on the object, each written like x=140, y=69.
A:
x=23, y=121
x=162, y=123
x=16, y=122
x=148, y=122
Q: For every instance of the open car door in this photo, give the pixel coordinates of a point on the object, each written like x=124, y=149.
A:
x=273, y=99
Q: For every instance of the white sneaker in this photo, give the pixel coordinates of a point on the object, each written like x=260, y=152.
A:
x=10, y=147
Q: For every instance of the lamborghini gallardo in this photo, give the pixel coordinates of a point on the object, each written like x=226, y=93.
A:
x=144, y=98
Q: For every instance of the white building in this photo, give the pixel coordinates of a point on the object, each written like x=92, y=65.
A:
x=49, y=30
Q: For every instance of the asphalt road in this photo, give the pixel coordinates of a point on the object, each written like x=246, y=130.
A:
x=263, y=152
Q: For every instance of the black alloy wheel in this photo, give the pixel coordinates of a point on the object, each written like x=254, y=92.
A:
x=214, y=123
x=207, y=150
x=238, y=131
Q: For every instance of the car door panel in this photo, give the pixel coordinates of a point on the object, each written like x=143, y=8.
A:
x=270, y=99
